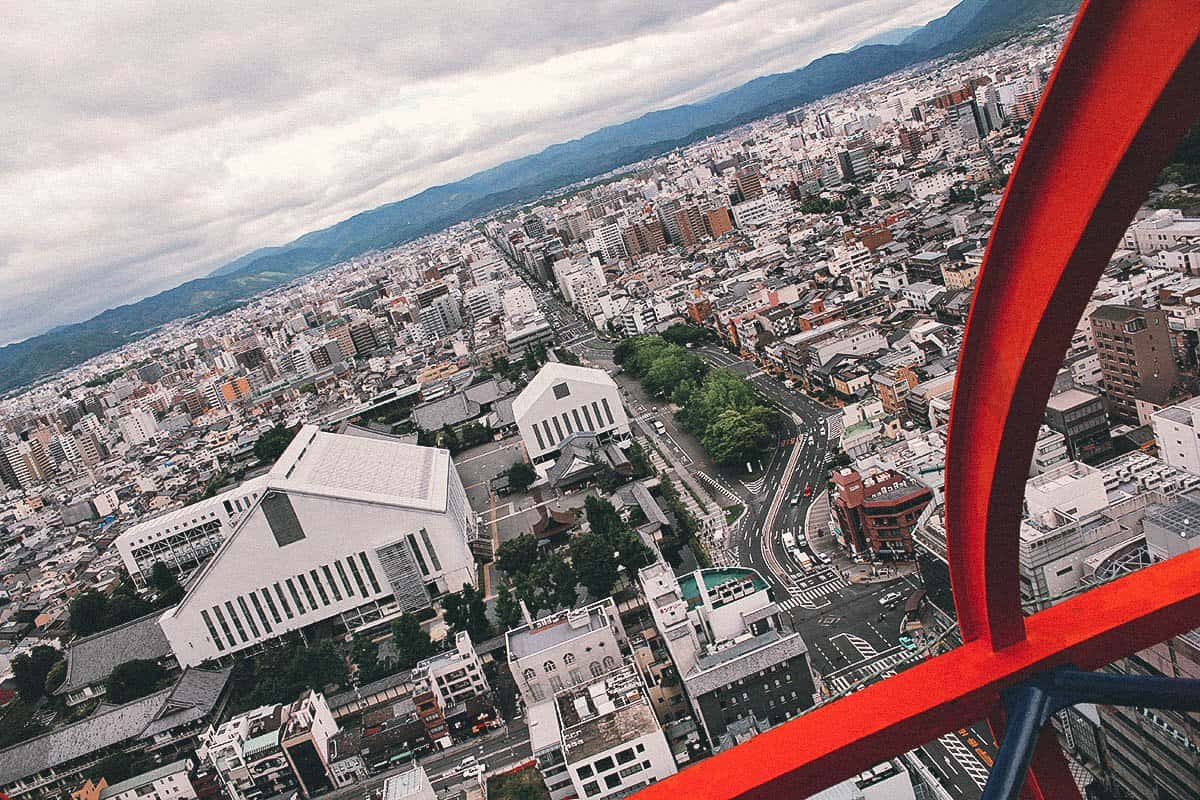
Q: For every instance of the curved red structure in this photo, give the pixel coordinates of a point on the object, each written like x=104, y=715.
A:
x=1124, y=90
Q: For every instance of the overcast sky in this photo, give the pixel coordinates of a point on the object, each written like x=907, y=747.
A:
x=149, y=143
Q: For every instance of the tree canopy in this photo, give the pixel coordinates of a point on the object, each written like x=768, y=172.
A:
x=465, y=610
x=272, y=443
x=31, y=670
x=410, y=641
x=134, y=679
x=608, y=546
x=94, y=611
x=521, y=475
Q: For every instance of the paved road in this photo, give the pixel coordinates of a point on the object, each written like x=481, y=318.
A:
x=849, y=634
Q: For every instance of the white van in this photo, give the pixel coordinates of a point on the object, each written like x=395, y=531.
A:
x=659, y=427
x=789, y=540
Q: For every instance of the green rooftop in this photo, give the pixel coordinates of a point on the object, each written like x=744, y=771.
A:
x=714, y=578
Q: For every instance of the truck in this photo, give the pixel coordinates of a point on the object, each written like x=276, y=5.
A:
x=789, y=540
x=805, y=561
x=659, y=428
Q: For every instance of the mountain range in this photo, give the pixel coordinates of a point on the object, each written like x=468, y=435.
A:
x=970, y=24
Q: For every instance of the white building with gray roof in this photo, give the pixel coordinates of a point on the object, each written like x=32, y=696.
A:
x=348, y=528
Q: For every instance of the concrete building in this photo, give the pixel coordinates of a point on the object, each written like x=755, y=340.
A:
x=1136, y=358
x=186, y=537
x=168, y=782
x=444, y=686
x=875, y=514
x=564, y=400
x=411, y=785
x=348, y=529
x=743, y=669
x=611, y=741
x=1081, y=418
x=1177, y=430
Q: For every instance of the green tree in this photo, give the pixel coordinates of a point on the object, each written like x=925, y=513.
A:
x=113, y=768
x=592, y=556
x=530, y=361
x=517, y=556
x=364, y=654
x=508, y=611
x=125, y=604
x=56, y=676
x=465, y=610
x=163, y=581
x=602, y=517
x=17, y=723
x=410, y=641
x=31, y=669
x=89, y=612
x=271, y=444
x=448, y=438
x=521, y=476
x=567, y=357
x=557, y=580
x=134, y=679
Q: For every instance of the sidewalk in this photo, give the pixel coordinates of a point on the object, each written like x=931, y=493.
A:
x=816, y=532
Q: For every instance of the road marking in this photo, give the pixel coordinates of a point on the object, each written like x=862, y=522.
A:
x=965, y=758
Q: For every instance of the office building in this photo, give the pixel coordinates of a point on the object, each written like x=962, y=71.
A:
x=611, y=741
x=875, y=514
x=450, y=689
x=854, y=163
x=1136, y=358
x=563, y=401
x=747, y=183
x=1177, y=431
x=743, y=669
x=1081, y=418
x=411, y=785
x=348, y=529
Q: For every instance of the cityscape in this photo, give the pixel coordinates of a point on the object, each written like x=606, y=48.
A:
x=577, y=493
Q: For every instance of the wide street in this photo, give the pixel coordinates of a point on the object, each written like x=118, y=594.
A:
x=849, y=634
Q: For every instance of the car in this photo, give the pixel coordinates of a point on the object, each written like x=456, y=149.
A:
x=890, y=598
x=808, y=490
x=824, y=559
x=475, y=771
x=469, y=761
x=795, y=499
x=907, y=643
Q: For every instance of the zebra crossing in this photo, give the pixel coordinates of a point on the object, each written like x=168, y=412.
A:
x=720, y=487
x=842, y=679
x=813, y=597
x=966, y=759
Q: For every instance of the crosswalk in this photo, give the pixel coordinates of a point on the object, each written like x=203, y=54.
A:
x=966, y=759
x=813, y=597
x=716, y=484
x=845, y=678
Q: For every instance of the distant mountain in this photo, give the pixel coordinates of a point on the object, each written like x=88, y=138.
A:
x=894, y=36
x=967, y=25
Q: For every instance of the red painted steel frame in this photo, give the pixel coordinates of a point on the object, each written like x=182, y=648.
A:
x=1126, y=86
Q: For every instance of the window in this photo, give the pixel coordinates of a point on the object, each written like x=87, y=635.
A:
x=557, y=427
x=607, y=410
x=625, y=756
x=266, y=593
x=585, y=771
x=538, y=435
x=295, y=595
x=283, y=601
x=596, y=669
x=561, y=390
x=604, y=764
x=370, y=572
x=549, y=666
x=316, y=579
x=237, y=623
x=281, y=518
x=529, y=674
x=212, y=632
x=569, y=658
x=357, y=576
x=341, y=571
x=337, y=594
x=612, y=781
x=262, y=617
x=312, y=602
x=591, y=788
x=433, y=556
x=610, y=663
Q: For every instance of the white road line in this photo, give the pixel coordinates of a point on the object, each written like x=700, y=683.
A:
x=965, y=758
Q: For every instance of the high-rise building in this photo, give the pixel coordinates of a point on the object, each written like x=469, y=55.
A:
x=855, y=163
x=747, y=182
x=1136, y=359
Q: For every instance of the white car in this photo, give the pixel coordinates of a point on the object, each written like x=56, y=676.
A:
x=467, y=762
x=475, y=771
x=889, y=598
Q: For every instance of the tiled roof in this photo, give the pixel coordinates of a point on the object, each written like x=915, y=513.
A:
x=91, y=659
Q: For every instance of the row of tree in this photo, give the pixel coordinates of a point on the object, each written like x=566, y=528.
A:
x=718, y=406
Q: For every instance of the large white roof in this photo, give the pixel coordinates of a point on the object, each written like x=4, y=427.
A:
x=554, y=372
x=361, y=468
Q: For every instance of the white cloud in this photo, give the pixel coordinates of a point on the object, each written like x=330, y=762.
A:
x=147, y=144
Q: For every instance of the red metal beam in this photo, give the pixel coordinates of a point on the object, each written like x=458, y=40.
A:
x=1123, y=91
x=839, y=740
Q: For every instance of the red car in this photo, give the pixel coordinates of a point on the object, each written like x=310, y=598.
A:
x=808, y=490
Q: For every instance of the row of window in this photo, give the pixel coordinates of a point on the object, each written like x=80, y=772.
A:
x=582, y=424
x=304, y=597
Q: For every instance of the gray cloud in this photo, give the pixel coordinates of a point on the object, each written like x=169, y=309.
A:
x=147, y=144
